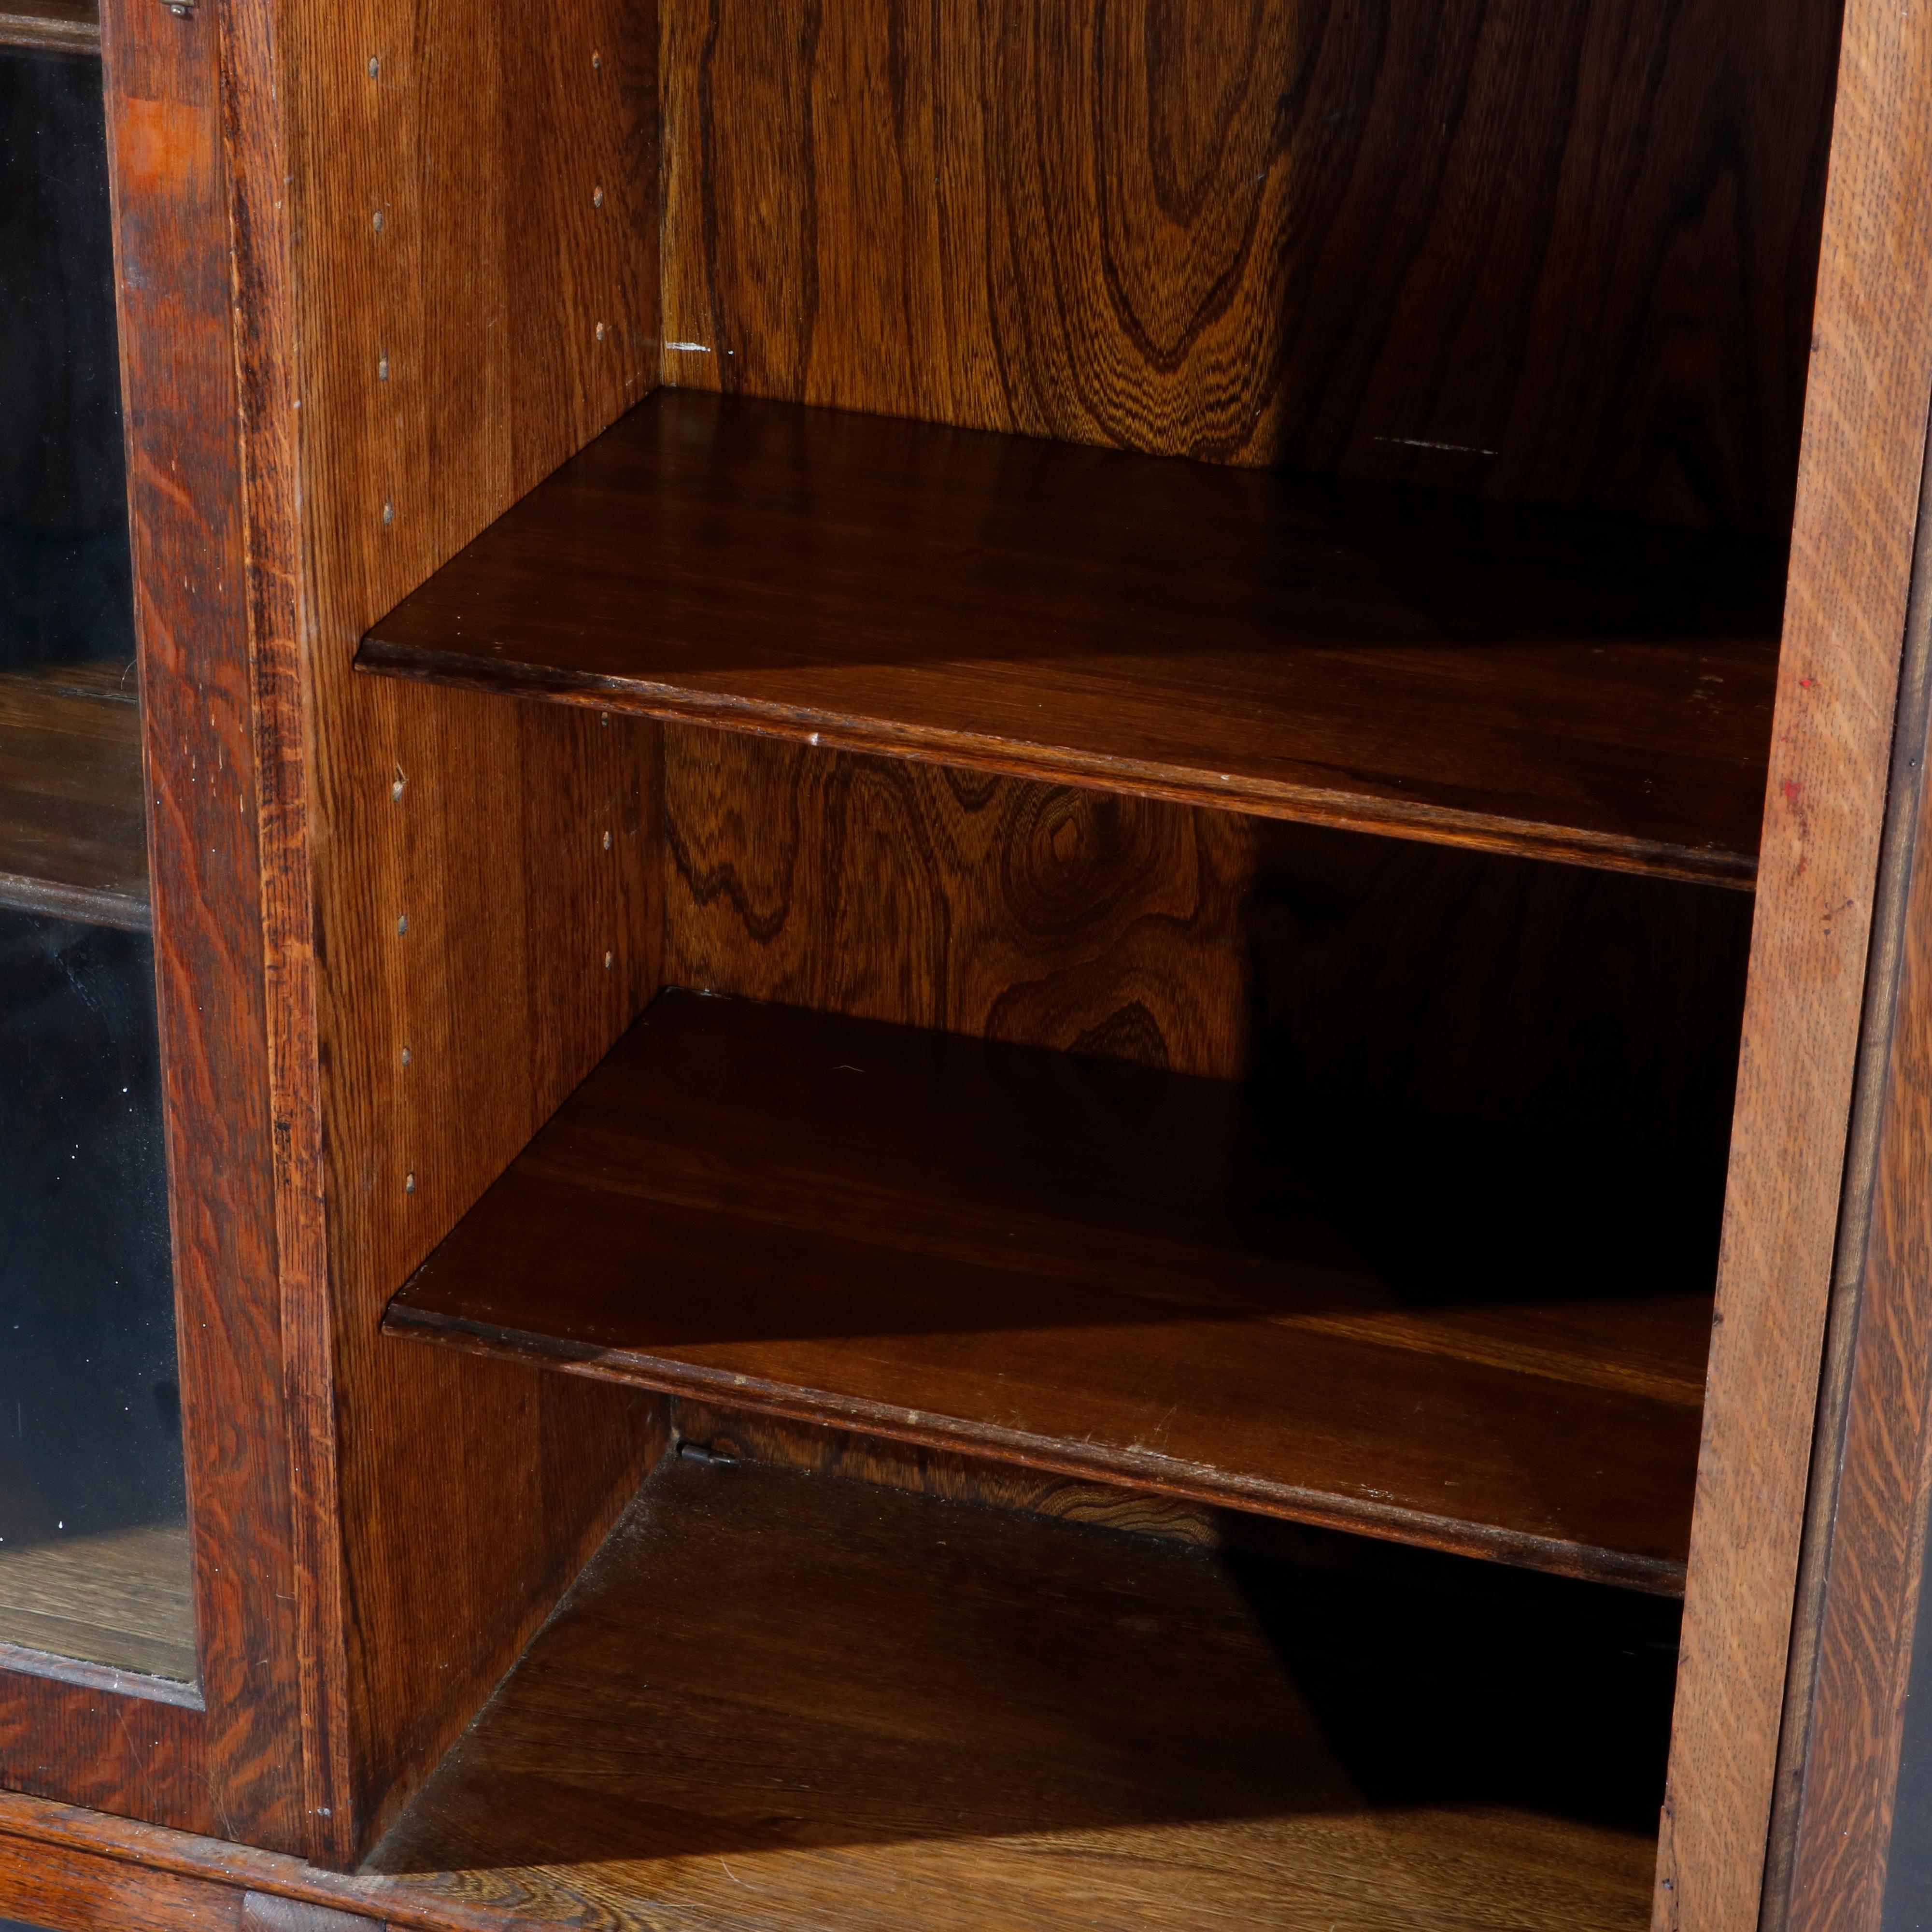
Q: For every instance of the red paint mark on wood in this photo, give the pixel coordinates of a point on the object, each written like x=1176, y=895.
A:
x=165, y=143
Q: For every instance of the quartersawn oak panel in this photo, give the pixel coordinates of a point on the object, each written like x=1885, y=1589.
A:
x=874, y=1710
x=1357, y=972
x=1110, y=1272
x=1565, y=254
x=73, y=839
x=1524, y=681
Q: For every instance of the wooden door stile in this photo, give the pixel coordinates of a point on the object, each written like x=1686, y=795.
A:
x=1838, y=679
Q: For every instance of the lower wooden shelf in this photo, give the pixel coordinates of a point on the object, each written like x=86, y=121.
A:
x=780, y=1699
x=72, y=836
x=1177, y=1283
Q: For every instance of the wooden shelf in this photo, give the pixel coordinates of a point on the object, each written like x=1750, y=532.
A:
x=1527, y=681
x=73, y=835
x=776, y=1699
x=1095, y=1268
x=51, y=26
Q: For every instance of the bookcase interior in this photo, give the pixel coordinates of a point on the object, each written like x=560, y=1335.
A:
x=1195, y=596
x=1121, y=658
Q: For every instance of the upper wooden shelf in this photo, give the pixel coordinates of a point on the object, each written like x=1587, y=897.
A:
x=1525, y=680
x=1163, y=1281
x=73, y=835
x=51, y=26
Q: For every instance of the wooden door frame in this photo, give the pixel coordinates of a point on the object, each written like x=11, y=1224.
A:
x=223, y=1758
x=1830, y=796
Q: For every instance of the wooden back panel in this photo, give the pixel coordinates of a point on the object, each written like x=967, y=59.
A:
x=1565, y=254
x=442, y=307
x=1348, y=971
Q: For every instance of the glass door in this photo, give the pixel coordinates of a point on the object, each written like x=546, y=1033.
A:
x=94, y=1555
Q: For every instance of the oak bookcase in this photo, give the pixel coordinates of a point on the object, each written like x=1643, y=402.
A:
x=1041, y=958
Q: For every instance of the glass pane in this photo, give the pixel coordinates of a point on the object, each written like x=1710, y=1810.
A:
x=64, y=562
x=94, y=1559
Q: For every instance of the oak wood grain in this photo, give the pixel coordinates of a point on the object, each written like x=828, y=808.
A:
x=465, y=915
x=52, y=1887
x=700, y=1430
x=1567, y=257
x=1845, y=1761
x=1110, y=1272
x=119, y=1859
x=228, y=1765
x=73, y=839
x=1526, y=682
x=920, y=894
x=1552, y=1000
x=1851, y=566
x=871, y=1709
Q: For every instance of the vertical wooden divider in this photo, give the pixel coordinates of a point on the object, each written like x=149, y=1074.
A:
x=462, y=901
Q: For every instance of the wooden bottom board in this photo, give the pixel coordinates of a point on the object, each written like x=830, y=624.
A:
x=779, y=1699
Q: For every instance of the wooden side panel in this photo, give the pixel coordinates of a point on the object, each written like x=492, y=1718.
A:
x=460, y=202
x=1845, y=622
x=1563, y=252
